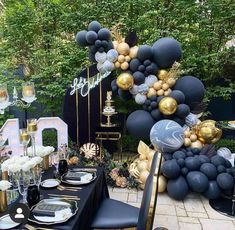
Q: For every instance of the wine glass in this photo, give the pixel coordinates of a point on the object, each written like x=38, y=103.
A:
x=37, y=176
x=63, y=167
x=23, y=184
x=13, y=178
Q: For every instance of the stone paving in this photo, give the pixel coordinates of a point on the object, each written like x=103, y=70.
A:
x=194, y=213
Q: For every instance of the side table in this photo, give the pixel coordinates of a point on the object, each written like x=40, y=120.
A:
x=109, y=134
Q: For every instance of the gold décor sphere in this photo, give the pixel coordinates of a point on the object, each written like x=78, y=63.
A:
x=133, y=51
x=197, y=144
x=187, y=142
x=168, y=105
x=144, y=175
x=142, y=165
x=124, y=65
x=162, y=74
x=125, y=81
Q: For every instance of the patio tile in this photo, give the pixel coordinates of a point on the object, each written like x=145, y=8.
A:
x=180, y=211
x=189, y=220
x=169, y=222
x=197, y=214
x=209, y=224
x=189, y=226
x=164, y=209
x=194, y=205
x=132, y=197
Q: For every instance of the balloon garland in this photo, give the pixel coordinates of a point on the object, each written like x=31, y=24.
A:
x=172, y=106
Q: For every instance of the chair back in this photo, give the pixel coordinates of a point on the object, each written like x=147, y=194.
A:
x=147, y=198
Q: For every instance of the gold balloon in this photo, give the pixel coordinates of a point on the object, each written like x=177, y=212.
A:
x=125, y=81
x=197, y=144
x=123, y=48
x=142, y=165
x=162, y=74
x=133, y=51
x=168, y=105
x=187, y=142
x=208, y=132
x=151, y=92
x=144, y=175
x=162, y=183
x=151, y=154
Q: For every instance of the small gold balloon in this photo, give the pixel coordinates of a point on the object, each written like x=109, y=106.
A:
x=193, y=137
x=124, y=65
x=168, y=105
x=117, y=64
x=157, y=85
x=165, y=86
x=127, y=58
x=125, y=81
x=162, y=183
x=151, y=154
x=197, y=144
x=123, y=48
x=162, y=74
x=121, y=58
x=187, y=142
x=187, y=133
x=160, y=92
x=151, y=92
x=133, y=51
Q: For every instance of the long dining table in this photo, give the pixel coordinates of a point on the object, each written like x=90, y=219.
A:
x=91, y=195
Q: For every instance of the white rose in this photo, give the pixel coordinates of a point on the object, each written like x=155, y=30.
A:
x=23, y=159
x=27, y=166
x=14, y=168
x=4, y=185
x=4, y=166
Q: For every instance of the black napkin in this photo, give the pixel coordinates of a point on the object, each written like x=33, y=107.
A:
x=37, y=212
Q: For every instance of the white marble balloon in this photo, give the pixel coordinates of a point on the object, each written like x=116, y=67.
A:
x=224, y=152
x=108, y=66
x=143, y=89
x=150, y=80
x=100, y=57
x=191, y=120
x=167, y=136
x=134, y=89
x=112, y=55
x=140, y=99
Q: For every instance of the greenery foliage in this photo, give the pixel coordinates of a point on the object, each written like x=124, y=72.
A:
x=225, y=142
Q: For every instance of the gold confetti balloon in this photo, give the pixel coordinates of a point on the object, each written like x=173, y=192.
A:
x=162, y=74
x=125, y=81
x=168, y=105
x=162, y=183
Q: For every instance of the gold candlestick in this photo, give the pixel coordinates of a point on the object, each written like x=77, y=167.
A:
x=46, y=162
x=3, y=201
x=5, y=175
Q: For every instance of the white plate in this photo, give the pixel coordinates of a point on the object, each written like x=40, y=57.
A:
x=7, y=223
x=86, y=179
x=50, y=183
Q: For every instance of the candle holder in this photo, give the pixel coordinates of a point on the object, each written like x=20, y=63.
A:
x=24, y=140
x=3, y=201
x=31, y=129
x=28, y=93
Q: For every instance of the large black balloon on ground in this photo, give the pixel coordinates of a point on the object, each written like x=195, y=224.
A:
x=225, y=181
x=192, y=88
x=166, y=51
x=197, y=181
x=209, y=170
x=213, y=191
x=139, y=124
x=177, y=188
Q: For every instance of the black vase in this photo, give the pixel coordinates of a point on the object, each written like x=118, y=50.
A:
x=63, y=167
x=33, y=195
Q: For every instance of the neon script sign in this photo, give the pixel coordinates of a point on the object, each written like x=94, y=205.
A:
x=84, y=86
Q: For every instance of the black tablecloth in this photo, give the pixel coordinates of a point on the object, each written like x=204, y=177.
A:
x=90, y=196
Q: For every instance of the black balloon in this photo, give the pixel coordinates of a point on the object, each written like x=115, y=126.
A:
x=104, y=34
x=93, y=49
x=182, y=110
x=167, y=156
x=179, y=154
x=221, y=169
x=209, y=170
x=177, y=188
x=141, y=68
x=166, y=51
x=218, y=160
x=195, y=150
x=225, y=181
x=228, y=164
x=139, y=78
x=95, y=26
x=178, y=96
x=171, y=169
x=181, y=162
x=192, y=88
x=147, y=62
x=204, y=159
x=139, y=124
x=213, y=191
x=81, y=38
x=134, y=64
x=144, y=52
x=184, y=171
x=98, y=43
x=153, y=104
x=91, y=57
x=124, y=94
x=192, y=163
x=197, y=181
x=156, y=114
x=91, y=37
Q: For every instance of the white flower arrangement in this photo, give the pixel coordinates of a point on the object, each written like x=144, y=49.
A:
x=14, y=167
x=41, y=150
x=36, y=160
x=4, y=185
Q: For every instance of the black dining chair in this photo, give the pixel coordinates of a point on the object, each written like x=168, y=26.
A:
x=114, y=214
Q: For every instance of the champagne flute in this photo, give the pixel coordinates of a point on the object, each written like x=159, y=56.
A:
x=32, y=128
x=24, y=139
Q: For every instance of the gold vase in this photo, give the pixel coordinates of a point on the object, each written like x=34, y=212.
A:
x=3, y=201
x=46, y=162
x=5, y=175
